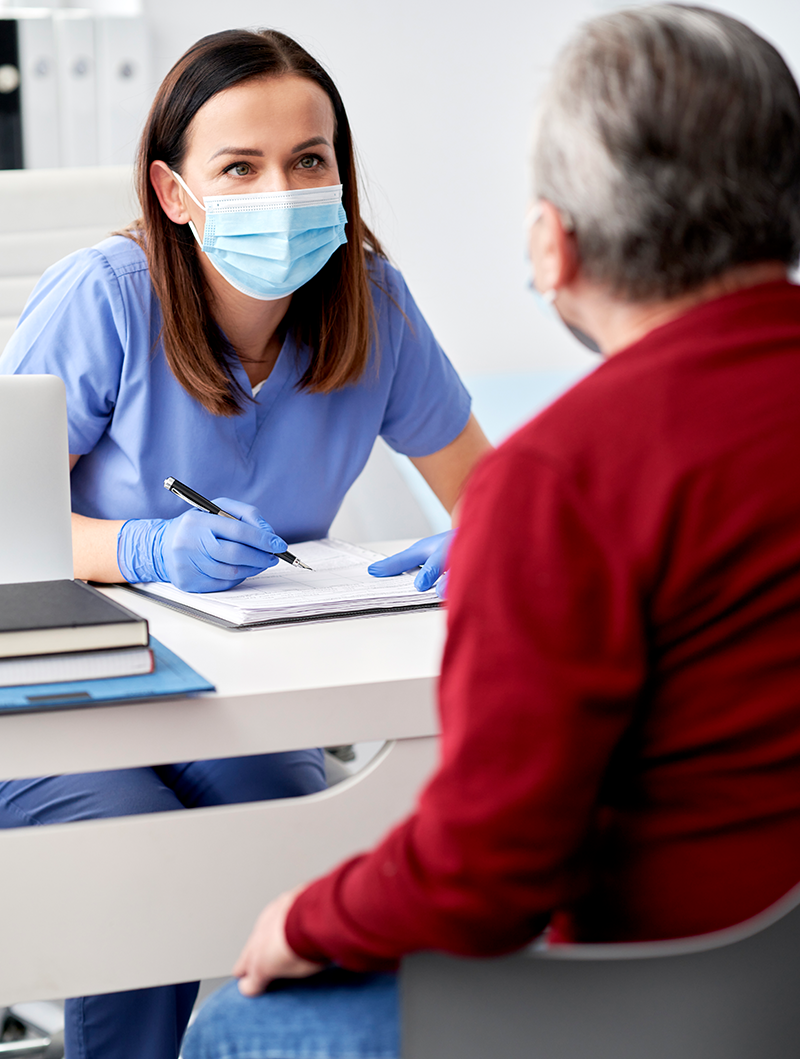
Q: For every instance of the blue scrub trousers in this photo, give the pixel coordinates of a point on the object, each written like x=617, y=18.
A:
x=333, y=1015
x=149, y=1023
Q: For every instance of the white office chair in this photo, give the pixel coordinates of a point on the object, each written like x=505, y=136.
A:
x=733, y=994
x=49, y=213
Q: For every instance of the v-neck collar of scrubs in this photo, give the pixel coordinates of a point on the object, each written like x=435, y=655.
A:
x=256, y=411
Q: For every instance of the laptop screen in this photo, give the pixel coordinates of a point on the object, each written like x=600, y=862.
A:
x=35, y=524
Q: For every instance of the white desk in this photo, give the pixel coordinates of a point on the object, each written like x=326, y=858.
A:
x=116, y=904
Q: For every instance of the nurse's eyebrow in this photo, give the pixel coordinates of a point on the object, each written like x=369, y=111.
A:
x=248, y=152
x=253, y=152
x=315, y=141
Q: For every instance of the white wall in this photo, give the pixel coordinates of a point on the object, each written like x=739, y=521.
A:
x=440, y=96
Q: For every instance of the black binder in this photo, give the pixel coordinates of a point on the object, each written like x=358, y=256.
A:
x=10, y=100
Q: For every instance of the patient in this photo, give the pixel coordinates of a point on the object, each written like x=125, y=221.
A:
x=619, y=699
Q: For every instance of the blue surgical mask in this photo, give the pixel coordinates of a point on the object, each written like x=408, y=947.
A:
x=268, y=245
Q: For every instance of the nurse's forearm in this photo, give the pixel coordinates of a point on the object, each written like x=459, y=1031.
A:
x=94, y=548
x=447, y=470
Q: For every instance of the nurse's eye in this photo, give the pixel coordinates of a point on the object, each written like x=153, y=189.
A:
x=239, y=169
x=309, y=161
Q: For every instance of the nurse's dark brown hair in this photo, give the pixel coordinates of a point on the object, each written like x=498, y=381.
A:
x=332, y=314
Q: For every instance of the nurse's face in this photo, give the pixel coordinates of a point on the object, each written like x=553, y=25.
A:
x=273, y=134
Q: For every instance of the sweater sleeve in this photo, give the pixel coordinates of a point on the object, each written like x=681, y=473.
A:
x=542, y=672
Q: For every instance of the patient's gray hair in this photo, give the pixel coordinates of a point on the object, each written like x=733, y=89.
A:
x=670, y=136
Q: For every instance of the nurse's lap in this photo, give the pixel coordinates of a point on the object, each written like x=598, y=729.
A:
x=127, y=792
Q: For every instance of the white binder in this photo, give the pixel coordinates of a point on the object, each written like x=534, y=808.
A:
x=124, y=91
x=77, y=82
x=39, y=89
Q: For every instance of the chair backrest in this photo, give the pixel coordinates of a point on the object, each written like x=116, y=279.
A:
x=46, y=214
x=728, y=995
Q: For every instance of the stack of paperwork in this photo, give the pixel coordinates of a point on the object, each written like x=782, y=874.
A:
x=337, y=586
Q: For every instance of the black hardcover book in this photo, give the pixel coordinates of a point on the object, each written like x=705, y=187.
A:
x=10, y=102
x=57, y=617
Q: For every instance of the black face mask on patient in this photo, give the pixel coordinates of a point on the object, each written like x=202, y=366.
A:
x=582, y=337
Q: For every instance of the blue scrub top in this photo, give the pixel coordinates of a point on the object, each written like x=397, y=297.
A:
x=94, y=320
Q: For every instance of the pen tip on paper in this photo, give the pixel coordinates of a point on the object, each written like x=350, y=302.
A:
x=302, y=565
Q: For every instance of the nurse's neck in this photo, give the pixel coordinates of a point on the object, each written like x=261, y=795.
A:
x=251, y=326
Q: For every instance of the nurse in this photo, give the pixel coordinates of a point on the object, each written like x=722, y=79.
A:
x=248, y=336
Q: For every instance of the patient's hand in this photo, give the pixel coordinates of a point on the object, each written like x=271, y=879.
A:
x=267, y=954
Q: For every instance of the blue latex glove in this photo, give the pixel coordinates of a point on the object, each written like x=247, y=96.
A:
x=430, y=553
x=199, y=552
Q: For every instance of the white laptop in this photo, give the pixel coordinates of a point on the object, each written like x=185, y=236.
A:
x=35, y=524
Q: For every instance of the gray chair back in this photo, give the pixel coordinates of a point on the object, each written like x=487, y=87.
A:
x=733, y=994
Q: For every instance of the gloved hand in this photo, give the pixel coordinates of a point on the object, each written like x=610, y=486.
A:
x=199, y=552
x=430, y=553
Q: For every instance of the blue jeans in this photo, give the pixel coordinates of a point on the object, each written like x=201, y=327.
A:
x=148, y=1023
x=333, y=1015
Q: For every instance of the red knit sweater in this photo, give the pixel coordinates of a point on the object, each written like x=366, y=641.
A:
x=620, y=692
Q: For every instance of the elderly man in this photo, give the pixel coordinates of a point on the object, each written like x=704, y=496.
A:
x=620, y=714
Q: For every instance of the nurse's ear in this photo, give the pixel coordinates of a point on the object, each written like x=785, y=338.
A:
x=170, y=194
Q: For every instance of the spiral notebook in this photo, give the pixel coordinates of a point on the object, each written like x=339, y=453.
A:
x=337, y=586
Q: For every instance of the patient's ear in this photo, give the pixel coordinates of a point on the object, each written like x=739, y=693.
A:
x=553, y=250
x=170, y=194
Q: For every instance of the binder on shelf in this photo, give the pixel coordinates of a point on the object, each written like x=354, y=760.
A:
x=123, y=86
x=77, y=85
x=38, y=89
x=28, y=90
x=10, y=96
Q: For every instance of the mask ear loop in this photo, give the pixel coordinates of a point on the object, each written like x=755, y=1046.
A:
x=188, y=190
x=195, y=200
x=531, y=217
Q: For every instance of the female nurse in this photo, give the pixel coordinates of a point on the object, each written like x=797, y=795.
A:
x=248, y=337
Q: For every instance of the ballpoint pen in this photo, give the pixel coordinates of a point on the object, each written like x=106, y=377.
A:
x=196, y=500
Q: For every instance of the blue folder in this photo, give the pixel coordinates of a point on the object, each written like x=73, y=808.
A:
x=170, y=676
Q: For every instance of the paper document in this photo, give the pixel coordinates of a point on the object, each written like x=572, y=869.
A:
x=338, y=584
